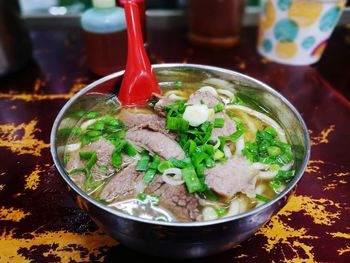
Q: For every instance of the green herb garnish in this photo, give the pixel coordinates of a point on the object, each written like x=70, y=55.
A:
x=261, y=198
x=192, y=182
x=142, y=164
x=148, y=199
x=219, y=107
x=219, y=122
x=268, y=149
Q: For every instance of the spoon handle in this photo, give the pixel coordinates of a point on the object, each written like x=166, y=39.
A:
x=139, y=81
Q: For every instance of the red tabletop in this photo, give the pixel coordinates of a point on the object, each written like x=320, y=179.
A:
x=39, y=222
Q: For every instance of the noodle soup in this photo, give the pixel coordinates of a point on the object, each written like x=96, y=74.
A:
x=202, y=151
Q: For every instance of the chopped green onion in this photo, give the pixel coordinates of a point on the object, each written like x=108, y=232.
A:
x=85, y=156
x=209, y=163
x=115, y=136
x=271, y=131
x=89, y=184
x=151, y=199
x=281, y=178
x=149, y=175
x=274, y=167
x=164, y=165
x=91, y=115
x=141, y=197
x=218, y=155
x=190, y=146
x=91, y=162
x=240, y=130
x=219, y=122
x=219, y=107
x=221, y=211
x=91, y=158
x=65, y=159
x=210, y=195
x=200, y=170
x=176, y=109
x=98, y=125
x=268, y=149
x=99, y=199
x=155, y=162
x=88, y=180
x=142, y=164
x=275, y=185
x=198, y=158
x=129, y=150
x=178, y=84
x=177, y=124
x=116, y=159
x=261, y=198
x=180, y=163
x=119, y=145
x=93, y=133
x=273, y=150
x=209, y=149
x=191, y=180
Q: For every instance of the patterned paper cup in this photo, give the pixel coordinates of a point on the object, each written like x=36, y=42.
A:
x=295, y=32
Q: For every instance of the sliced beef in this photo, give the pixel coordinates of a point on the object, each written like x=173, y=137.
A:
x=205, y=97
x=104, y=150
x=158, y=107
x=150, y=121
x=140, y=120
x=228, y=128
x=156, y=142
x=232, y=177
x=121, y=185
x=175, y=199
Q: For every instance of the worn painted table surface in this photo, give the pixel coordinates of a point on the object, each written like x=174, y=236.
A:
x=41, y=223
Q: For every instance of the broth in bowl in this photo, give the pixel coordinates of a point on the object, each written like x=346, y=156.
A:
x=202, y=151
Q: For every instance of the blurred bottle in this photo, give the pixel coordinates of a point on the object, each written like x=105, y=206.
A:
x=215, y=22
x=105, y=37
x=142, y=10
x=15, y=45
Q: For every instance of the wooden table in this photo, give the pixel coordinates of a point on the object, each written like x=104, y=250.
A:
x=41, y=223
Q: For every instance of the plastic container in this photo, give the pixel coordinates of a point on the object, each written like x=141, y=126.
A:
x=295, y=32
x=105, y=37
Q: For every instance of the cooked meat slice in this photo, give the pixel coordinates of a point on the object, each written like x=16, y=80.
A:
x=104, y=150
x=149, y=121
x=121, y=185
x=204, y=97
x=233, y=176
x=158, y=107
x=156, y=142
x=75, y=162
x=175, y=199
x=228, y=128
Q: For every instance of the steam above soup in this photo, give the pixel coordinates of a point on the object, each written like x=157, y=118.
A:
x=194, y=154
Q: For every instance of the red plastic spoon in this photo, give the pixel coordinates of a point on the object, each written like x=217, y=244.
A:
x=139, y=82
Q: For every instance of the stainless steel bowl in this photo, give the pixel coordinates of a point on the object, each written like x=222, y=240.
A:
x=177, y=239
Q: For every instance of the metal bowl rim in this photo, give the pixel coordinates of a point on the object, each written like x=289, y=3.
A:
x=214, y=69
